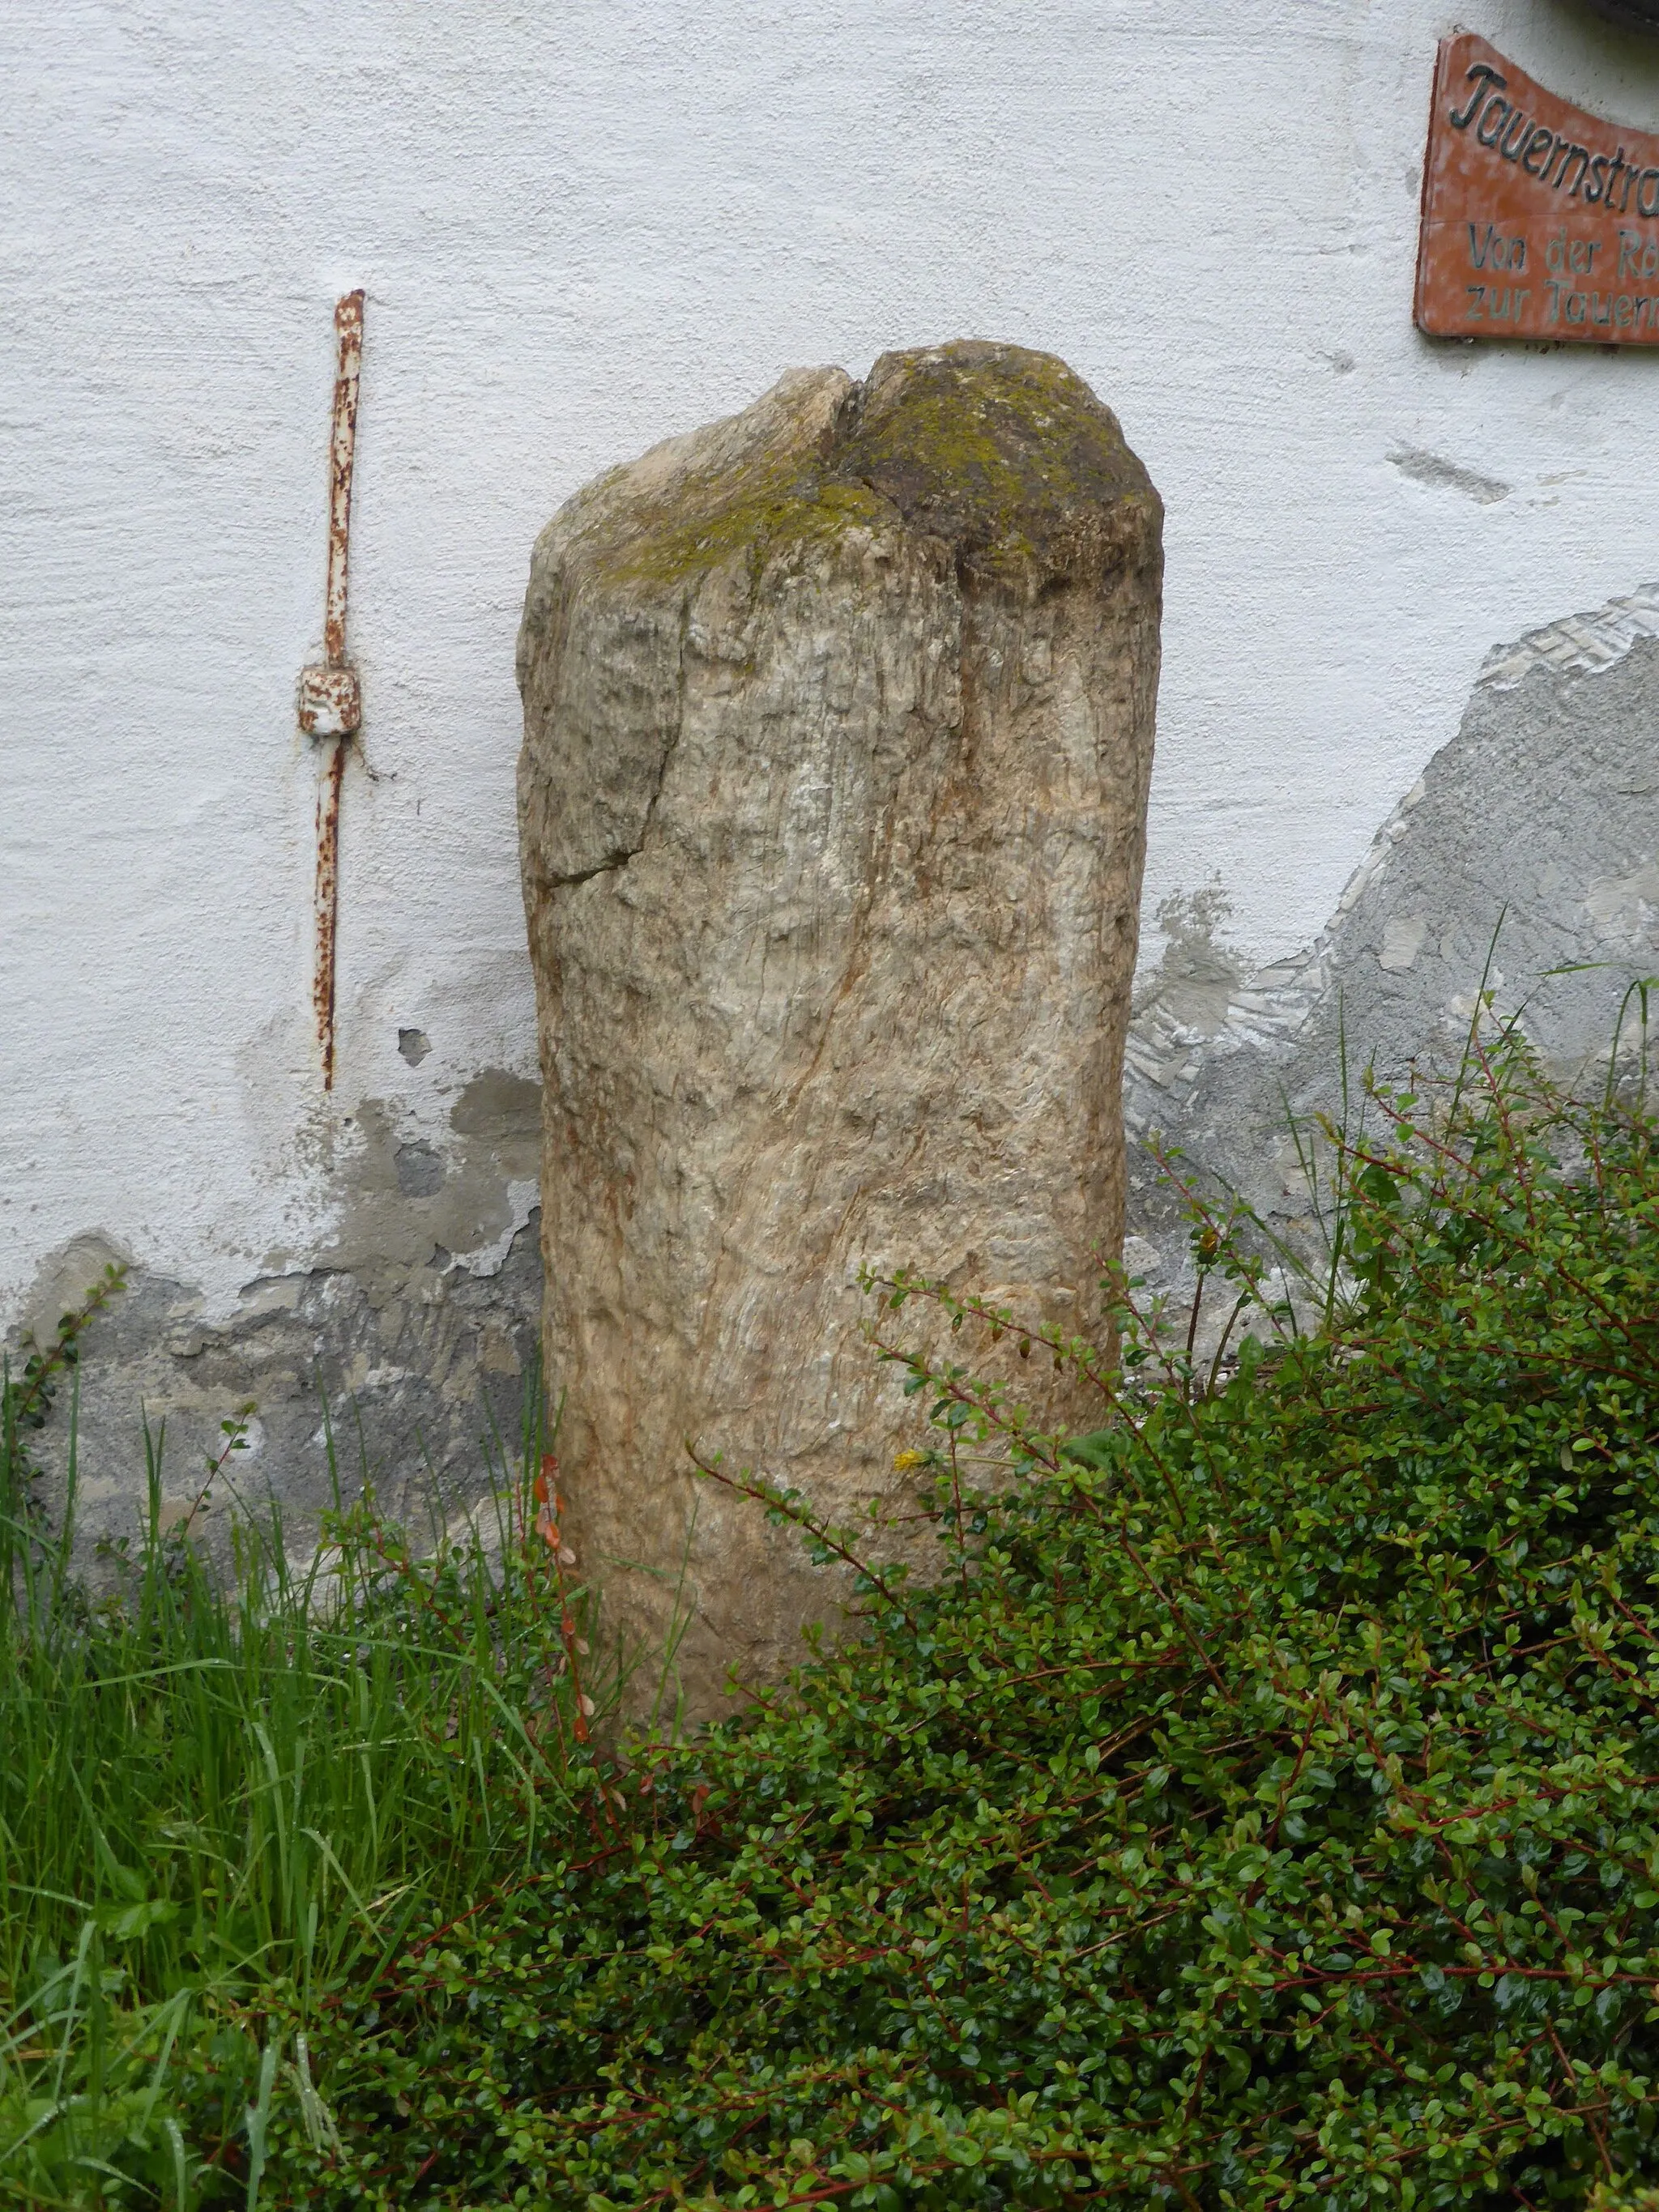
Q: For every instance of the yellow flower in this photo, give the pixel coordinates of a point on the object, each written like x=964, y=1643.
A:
x=906, y=1459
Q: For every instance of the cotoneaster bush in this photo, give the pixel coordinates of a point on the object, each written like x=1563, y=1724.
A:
x=1261, y=1810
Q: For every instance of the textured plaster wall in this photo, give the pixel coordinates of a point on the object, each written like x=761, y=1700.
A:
x=579, y=228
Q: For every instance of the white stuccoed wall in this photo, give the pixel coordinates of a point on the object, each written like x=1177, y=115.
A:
x=582, y=227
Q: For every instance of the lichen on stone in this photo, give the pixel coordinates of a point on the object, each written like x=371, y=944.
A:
x=754, y=525
x=1003, y=454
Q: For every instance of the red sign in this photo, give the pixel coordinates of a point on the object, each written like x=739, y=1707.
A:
x=1539, y=220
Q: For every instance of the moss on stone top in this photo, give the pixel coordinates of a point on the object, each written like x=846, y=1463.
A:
x=794, y=509
x=1004, y=453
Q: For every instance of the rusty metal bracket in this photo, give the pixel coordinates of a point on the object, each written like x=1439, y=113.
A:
x=331, y=699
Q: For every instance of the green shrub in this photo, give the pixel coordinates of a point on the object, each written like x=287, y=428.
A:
x=1262, y=1807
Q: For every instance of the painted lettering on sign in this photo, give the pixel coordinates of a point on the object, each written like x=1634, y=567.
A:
x=1539, y=220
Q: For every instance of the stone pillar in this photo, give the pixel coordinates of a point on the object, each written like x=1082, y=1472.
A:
x=838, y=724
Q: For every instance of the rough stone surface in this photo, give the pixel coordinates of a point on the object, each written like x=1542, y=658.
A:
x=838, y=725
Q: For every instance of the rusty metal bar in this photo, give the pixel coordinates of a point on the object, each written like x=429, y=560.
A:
x=328, y=900
x=330, y=700
x=348, y=329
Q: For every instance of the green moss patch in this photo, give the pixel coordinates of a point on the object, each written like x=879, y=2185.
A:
x=788, y=510
x=1004, y=453
x=1001, y=451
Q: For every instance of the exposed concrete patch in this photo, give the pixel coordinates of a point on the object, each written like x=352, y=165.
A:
x=1529, y=849
x=417, y=1322
x=412, y=1379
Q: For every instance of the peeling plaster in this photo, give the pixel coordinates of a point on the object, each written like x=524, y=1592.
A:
x=404, y=1194
x=1520, y=863
x=1577, y=645
x=418, y=1319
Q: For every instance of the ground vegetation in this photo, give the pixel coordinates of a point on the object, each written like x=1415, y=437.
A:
x=1260, y=1807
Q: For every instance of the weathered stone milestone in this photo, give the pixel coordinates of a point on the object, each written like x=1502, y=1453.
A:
x=838, y=725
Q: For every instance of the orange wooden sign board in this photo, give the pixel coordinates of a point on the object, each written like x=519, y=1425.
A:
x=1539, y=220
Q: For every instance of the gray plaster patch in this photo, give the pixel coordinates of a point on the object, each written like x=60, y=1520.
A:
x=420, y=1170
x=406, y=1390
x=1528, y=856
x=1442, y=475
x=417, y=1326
x=505, y=1109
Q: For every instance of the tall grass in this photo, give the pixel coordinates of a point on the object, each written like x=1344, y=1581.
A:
x=230, y=1791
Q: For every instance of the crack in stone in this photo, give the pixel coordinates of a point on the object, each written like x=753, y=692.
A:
x=623, y=854
x=604, y=868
